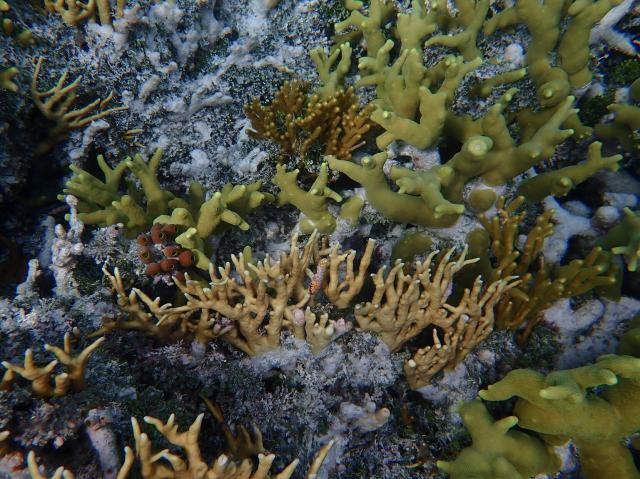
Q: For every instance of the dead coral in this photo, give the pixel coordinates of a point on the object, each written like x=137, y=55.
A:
x=55, y=105
x=40, y=377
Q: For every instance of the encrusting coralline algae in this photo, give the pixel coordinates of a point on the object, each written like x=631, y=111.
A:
x=320, y=238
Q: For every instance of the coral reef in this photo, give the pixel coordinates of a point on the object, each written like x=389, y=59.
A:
x=334, y=220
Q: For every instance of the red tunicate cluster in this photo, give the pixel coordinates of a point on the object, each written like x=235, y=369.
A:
x=162, y=255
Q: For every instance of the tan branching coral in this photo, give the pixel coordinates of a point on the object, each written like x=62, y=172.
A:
x=242, y=444
x=341, y=289
x=55, y=105
x=168, y=464
x=297, y=122
x=165, y=322
x=75, y=12
x=246, y=303
x=474, y=322
x=40, y=377
x=403, y=305
x=62, y=473
x=541, y=284
x=318, y=332
x=154, y=466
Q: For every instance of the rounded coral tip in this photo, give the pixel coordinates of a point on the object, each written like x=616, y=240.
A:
x=172, y=251
x=144, y=253
x=168, y=264
x=152, y=269
x=143, y=239
x=186, y=258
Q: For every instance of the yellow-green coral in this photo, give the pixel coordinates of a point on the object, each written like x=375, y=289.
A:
x=102, y=203
x=55, y=105
x=595, y=406
x=559, y=182
x=398, y=206
x=6, y=79
x=625, y=124
x=313, y=203
x=497, y=450
x=624, y=239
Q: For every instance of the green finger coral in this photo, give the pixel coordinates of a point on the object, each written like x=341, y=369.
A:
x=560, y=182
x=427, y=208
x=625, y=124
x=595, y=406
x=312, y=203
x=624, y=239
x=101, y=202
x=497, y=451
x=562, y=405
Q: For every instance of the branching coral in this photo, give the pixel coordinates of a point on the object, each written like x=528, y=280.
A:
x=55, y=104
x=542, y=284
x=625, y=123
x=102, y=203
x=425, y=204
x=333, y=123
x=406, y=88
x=241, y=445
x=171, y=465
x=433, y=197
x=312, y=203
x=6, y=79
x=23, y=38
x=594, y=406
x=62, y=473
x=552, y=82
x=561, y=406
x=559, y=182
x=404, y=305
x=497, y=451
x=249, y=306
x=573, y=49
x=40, y=377
x=74, y=12
x=624, y=239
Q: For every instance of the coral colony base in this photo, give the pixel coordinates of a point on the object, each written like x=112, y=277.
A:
x=320, y=238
